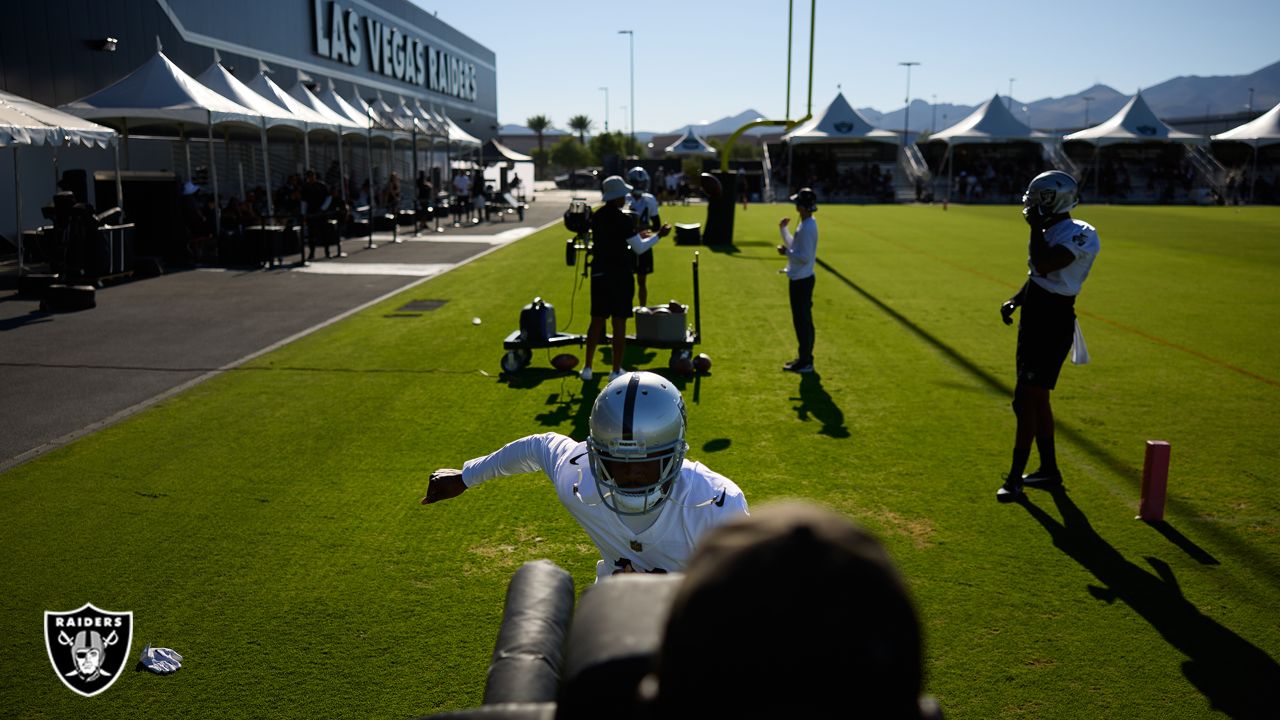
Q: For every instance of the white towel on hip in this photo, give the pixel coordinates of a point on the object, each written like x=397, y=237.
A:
x=1079, y=351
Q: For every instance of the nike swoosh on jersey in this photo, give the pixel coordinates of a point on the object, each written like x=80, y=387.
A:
x=574, y=460
x=720, y=502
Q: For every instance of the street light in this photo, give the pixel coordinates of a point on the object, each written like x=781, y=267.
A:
x=1087, y=99
x=1009, y=101
x=606, y=110
x=631, y=38
x=906, y=118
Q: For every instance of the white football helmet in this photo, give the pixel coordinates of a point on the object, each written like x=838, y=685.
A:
x=638, y=177
x=636, y=442
x=1053, y=192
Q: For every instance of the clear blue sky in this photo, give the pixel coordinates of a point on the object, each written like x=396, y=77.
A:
x=700, y=60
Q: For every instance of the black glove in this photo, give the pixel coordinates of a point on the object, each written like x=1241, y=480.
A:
x=1006, y=311
x=1033, y=216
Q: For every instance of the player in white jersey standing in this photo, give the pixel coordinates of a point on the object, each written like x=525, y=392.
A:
x=801, y=251
x=1060, y=254
x=643, y=206
x=629, y=485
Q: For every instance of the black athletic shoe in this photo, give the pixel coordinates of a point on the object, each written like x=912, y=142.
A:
x=788, y=365
x=1043, y=479
x=1010, y=491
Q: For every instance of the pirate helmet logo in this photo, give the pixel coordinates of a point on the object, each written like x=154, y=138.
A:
x=88, y=646
x=843, y=127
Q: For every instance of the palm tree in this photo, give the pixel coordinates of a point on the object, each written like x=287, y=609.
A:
x=539, y=124
x=582, y=124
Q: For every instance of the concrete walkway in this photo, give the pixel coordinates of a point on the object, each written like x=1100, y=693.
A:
x=65, y=375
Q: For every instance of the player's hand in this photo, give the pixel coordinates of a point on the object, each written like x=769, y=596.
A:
x=1033, y=216
x=784, y=222
x=782, y=249
x=1006, y=311
x=444, y=484
x=664, y=231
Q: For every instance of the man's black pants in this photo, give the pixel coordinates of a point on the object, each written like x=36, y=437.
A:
x=802, y=317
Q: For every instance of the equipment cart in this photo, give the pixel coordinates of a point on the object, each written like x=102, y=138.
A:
x=520, y=348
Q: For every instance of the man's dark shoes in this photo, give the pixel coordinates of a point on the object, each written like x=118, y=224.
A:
x=1011, y=490
x=1043, y=479
x=796, y=366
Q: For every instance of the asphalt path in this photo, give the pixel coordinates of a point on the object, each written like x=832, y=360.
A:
x=69, y=374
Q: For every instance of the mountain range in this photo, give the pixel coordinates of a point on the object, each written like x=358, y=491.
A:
x=1183, y=97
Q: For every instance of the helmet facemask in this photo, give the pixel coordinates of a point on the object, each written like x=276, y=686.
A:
x=636, y=446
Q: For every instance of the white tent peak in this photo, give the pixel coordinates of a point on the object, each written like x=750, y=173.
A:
x=690, y=144
x=991, y=122
x=1261, y=131
x=220, y=80
x=840, y=122
x=159, y=89
x=1133, y=123
x=267, y=88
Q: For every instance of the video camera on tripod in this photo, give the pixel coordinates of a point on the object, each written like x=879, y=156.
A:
x=577, y=219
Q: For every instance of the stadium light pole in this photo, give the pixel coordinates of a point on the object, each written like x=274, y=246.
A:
x=1087, y=99
x=631, y=38
x=1008, y=104
x=606, y=110
x=906, y=118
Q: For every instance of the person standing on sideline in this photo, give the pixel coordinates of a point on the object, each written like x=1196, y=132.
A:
x=613, y=233
x=644, y=208
x=801, y=251
x=1061, y=252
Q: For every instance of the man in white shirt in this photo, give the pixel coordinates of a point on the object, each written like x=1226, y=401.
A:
x=801, y=251
x=643, y=207
x=462, y=193
x=1060, y=254
x=629, y=485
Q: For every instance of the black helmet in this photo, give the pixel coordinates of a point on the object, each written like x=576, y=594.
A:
x=806, y=199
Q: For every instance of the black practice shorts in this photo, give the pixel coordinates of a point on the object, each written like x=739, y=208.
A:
x=644, y=262
x=611, y=295
x=1045, y=332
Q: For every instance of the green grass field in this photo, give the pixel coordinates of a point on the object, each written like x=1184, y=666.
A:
x=266, y=523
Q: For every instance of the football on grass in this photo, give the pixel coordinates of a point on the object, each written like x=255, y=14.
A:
x=564, y=361
x=702, y=363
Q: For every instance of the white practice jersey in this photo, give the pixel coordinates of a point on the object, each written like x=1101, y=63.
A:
x=802, y=249
x=700, y=499
x=1081, y=239
x=644, y=207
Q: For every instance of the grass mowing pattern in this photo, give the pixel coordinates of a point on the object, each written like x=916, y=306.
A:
x=265, y=524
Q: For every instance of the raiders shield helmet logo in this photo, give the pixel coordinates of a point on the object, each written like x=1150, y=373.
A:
x=88, y=646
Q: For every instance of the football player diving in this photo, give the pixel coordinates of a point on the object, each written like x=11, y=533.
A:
x=628, y=485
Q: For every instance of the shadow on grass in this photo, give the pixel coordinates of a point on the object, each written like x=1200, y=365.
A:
x=816, y=403
x=1119, y=467
x=1235, y=676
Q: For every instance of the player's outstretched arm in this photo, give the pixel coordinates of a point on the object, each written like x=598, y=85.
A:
x=444, y=484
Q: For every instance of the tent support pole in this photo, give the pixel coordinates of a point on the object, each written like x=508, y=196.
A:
x=213, y=171
x=266, y=170
x=119, y=182
x=17, y=206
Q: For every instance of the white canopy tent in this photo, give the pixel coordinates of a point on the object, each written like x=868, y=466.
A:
x=690, y=144
x=1133, y=123
x=26, y=122
x=161, y=91
x=839, y=123
x=221, y=81
x=990, y=124
x=311, y=119
x=343, y=125
x=1262, y=131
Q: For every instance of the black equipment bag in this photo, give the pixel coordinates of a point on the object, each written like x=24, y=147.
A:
x=538, y=321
